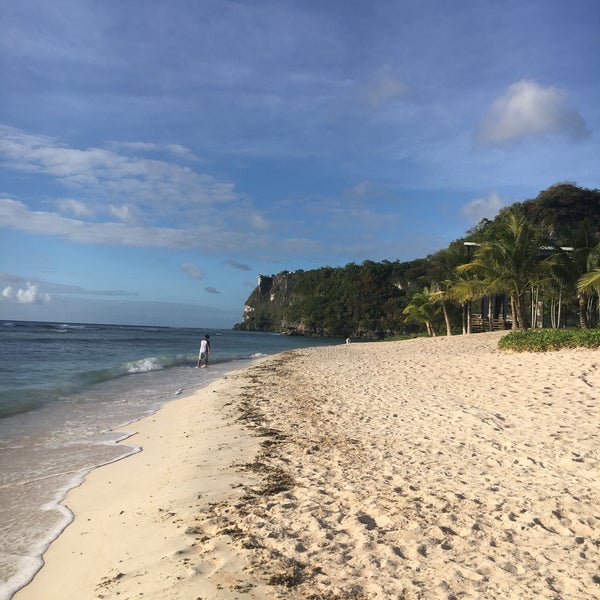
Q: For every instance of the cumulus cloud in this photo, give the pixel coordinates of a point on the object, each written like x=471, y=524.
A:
x=30, y=294
x=483, y=208
x=528, y=109
x=192, y=270
x=238, y=265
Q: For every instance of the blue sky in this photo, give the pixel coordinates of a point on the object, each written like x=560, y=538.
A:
x=156, y=156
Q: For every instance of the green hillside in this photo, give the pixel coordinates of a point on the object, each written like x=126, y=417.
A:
x=523, y=268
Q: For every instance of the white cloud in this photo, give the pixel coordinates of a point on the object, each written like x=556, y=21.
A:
x=527, y=109
x=134, y=146
x=15, y=214
x=51, y=289
x=192, y=270
x=182, y=152
x=129, y=201
x=27, y=295
x=483, y=208
x=123, y=213
x=108, y=176
x=193, y=234
x=259, y=222
x=75, y=207
x=150, y=147
x=383, y=88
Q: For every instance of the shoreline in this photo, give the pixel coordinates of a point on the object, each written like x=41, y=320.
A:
x=109, y=443
x=428, y=468
x=142, y=502
x=19, y=581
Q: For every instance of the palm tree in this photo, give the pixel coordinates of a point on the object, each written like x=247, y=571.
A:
x=589, y=283
x=441, y=296
x=422, y=309
x=442, y=273
x=465, y=289
x=580, y=259
x=509, y=263
x=560, y=274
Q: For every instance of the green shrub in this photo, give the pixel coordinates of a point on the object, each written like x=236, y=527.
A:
x=542, y=340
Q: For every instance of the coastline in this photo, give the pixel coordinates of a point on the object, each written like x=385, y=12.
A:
x=429, y=468
x=133, y=526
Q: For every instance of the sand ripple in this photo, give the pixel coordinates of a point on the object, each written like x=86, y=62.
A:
x=430, y=468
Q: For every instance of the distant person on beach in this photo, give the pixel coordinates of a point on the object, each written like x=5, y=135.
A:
x=204, y=351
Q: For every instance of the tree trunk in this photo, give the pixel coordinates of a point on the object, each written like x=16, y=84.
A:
x=469, y=328
x=582, y=309
x=519, y=313
x=447, y=319
x=514, y=311
x=591, y=311
x=430, y=329
x=522, y=311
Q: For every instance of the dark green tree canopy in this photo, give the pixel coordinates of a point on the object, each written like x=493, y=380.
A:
x=370, y=299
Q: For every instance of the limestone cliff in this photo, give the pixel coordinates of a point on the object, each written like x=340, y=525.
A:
x=353, y=301
x=267, y=306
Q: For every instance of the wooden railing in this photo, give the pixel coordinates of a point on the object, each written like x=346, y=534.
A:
x=478, y=323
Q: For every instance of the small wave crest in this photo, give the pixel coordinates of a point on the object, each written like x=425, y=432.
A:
x=144, y=365
x=138, y=366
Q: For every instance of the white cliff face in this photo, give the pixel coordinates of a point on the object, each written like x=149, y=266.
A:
x=269, y=300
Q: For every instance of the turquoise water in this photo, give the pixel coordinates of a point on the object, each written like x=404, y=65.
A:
x=65, y=388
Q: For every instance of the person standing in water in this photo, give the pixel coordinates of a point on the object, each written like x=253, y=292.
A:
x=204, y=351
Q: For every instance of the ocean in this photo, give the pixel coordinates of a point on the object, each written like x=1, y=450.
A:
x=68, y=392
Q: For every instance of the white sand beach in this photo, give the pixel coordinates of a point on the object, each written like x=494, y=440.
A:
x=424, y=469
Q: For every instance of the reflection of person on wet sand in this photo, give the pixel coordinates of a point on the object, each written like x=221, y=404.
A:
x=204, y=351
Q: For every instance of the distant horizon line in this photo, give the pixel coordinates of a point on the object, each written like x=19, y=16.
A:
x=75, y=323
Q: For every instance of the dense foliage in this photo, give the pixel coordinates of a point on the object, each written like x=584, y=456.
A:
x=537, y=264
x=356, y=300
x=542, y=340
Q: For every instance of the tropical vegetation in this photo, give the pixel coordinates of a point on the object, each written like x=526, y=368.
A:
x=536, y=265
x=535, y=340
